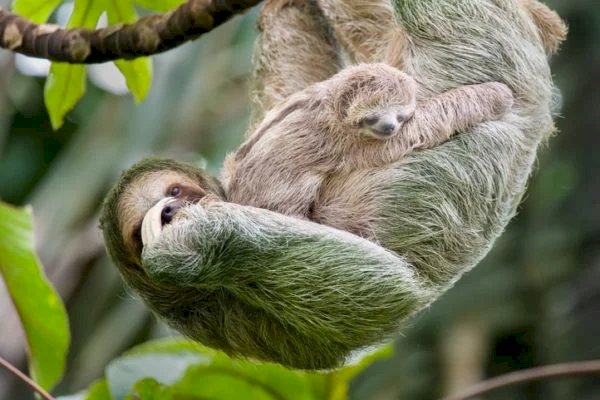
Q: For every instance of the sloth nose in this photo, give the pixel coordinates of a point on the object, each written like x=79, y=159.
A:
x=384, y=128
x=167, y=214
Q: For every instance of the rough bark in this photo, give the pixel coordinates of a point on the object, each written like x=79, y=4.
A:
x=147, y=36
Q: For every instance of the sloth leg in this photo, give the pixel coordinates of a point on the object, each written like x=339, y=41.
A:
x=295, y=49
x=368, y=30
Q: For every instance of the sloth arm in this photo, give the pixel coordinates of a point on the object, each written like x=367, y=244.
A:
x=457, y=110
x=286, y=266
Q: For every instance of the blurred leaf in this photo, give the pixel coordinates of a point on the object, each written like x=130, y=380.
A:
x=66, y=83
x=150, y=389
x=40, y=309
x=194, y=371
x=138, y=72
x=166, y=368
x=181, y=369
x=36, y=10
x=340, y=379
x=99, y=391
x=160, y=5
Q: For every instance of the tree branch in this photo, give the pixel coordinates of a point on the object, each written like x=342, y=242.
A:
x=147, y=36
x=527, y=375
x=11, y=368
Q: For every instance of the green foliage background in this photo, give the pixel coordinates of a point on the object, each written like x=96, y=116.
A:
x=535, y=300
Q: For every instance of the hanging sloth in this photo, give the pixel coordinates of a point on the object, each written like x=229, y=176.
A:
x=379, y=235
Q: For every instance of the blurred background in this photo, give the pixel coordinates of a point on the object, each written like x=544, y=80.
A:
x=534, y=300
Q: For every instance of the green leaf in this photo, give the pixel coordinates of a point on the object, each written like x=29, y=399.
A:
x=214, y=375
x=150, y=389
x=339, y=380
x=64, y=87
x=165, y=368
x=99, y=391
x=170, y=369
x=36, y=10
x=66, y=83
x=138, y=72
x=40, y=309
x=160, y=5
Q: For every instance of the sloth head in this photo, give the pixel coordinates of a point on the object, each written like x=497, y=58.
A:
x=161, y=185
x=376, y=99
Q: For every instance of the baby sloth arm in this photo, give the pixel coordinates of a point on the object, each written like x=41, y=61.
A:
x=438, y=118
x=379, y=101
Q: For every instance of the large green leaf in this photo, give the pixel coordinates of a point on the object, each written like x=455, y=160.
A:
x=36, y=10
x=66, y=83
x=138, y=72
x=40, y=309
x=177, y=369
x=165, y=368
x=208, y=374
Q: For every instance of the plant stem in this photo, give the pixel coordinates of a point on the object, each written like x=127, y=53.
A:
x=527, y=375
x=14, y=370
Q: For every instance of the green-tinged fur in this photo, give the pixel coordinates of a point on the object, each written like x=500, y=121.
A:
x=262, y=285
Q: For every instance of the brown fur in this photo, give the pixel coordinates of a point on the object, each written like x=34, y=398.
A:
x=285, y=164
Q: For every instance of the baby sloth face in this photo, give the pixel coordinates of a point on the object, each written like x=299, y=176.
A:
x=377, y=99
x=385, y=122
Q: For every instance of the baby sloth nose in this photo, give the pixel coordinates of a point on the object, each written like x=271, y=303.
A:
x=383, y=125
x=167, y=214
x=384, y=128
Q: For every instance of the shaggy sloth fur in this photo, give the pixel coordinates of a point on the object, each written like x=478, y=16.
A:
x=364, y=117
x=259, y=284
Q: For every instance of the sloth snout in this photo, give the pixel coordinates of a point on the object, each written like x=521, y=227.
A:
x=384, y=128
x=169, y=211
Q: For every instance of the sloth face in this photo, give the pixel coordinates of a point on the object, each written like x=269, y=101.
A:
x=385, y=123
x=148, y=197
x=376, y=99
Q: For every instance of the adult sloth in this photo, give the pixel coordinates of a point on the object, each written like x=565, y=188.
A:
x=259, y=284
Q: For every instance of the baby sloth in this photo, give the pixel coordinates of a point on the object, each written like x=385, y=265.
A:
x=364, y=117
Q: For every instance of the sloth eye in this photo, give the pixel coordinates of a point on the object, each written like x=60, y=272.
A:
x=370, y=120
x=175, y=191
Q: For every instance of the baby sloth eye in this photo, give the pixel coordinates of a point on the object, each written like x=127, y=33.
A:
x=175, y=191
x=400, y=118
x=370, y=120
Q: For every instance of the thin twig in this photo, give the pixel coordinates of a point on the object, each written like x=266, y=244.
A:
x=147, y=36
x=527, y=375
x=25, y=379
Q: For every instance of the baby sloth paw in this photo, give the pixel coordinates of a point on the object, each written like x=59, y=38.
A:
x=385, y=125
x=502, y=98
